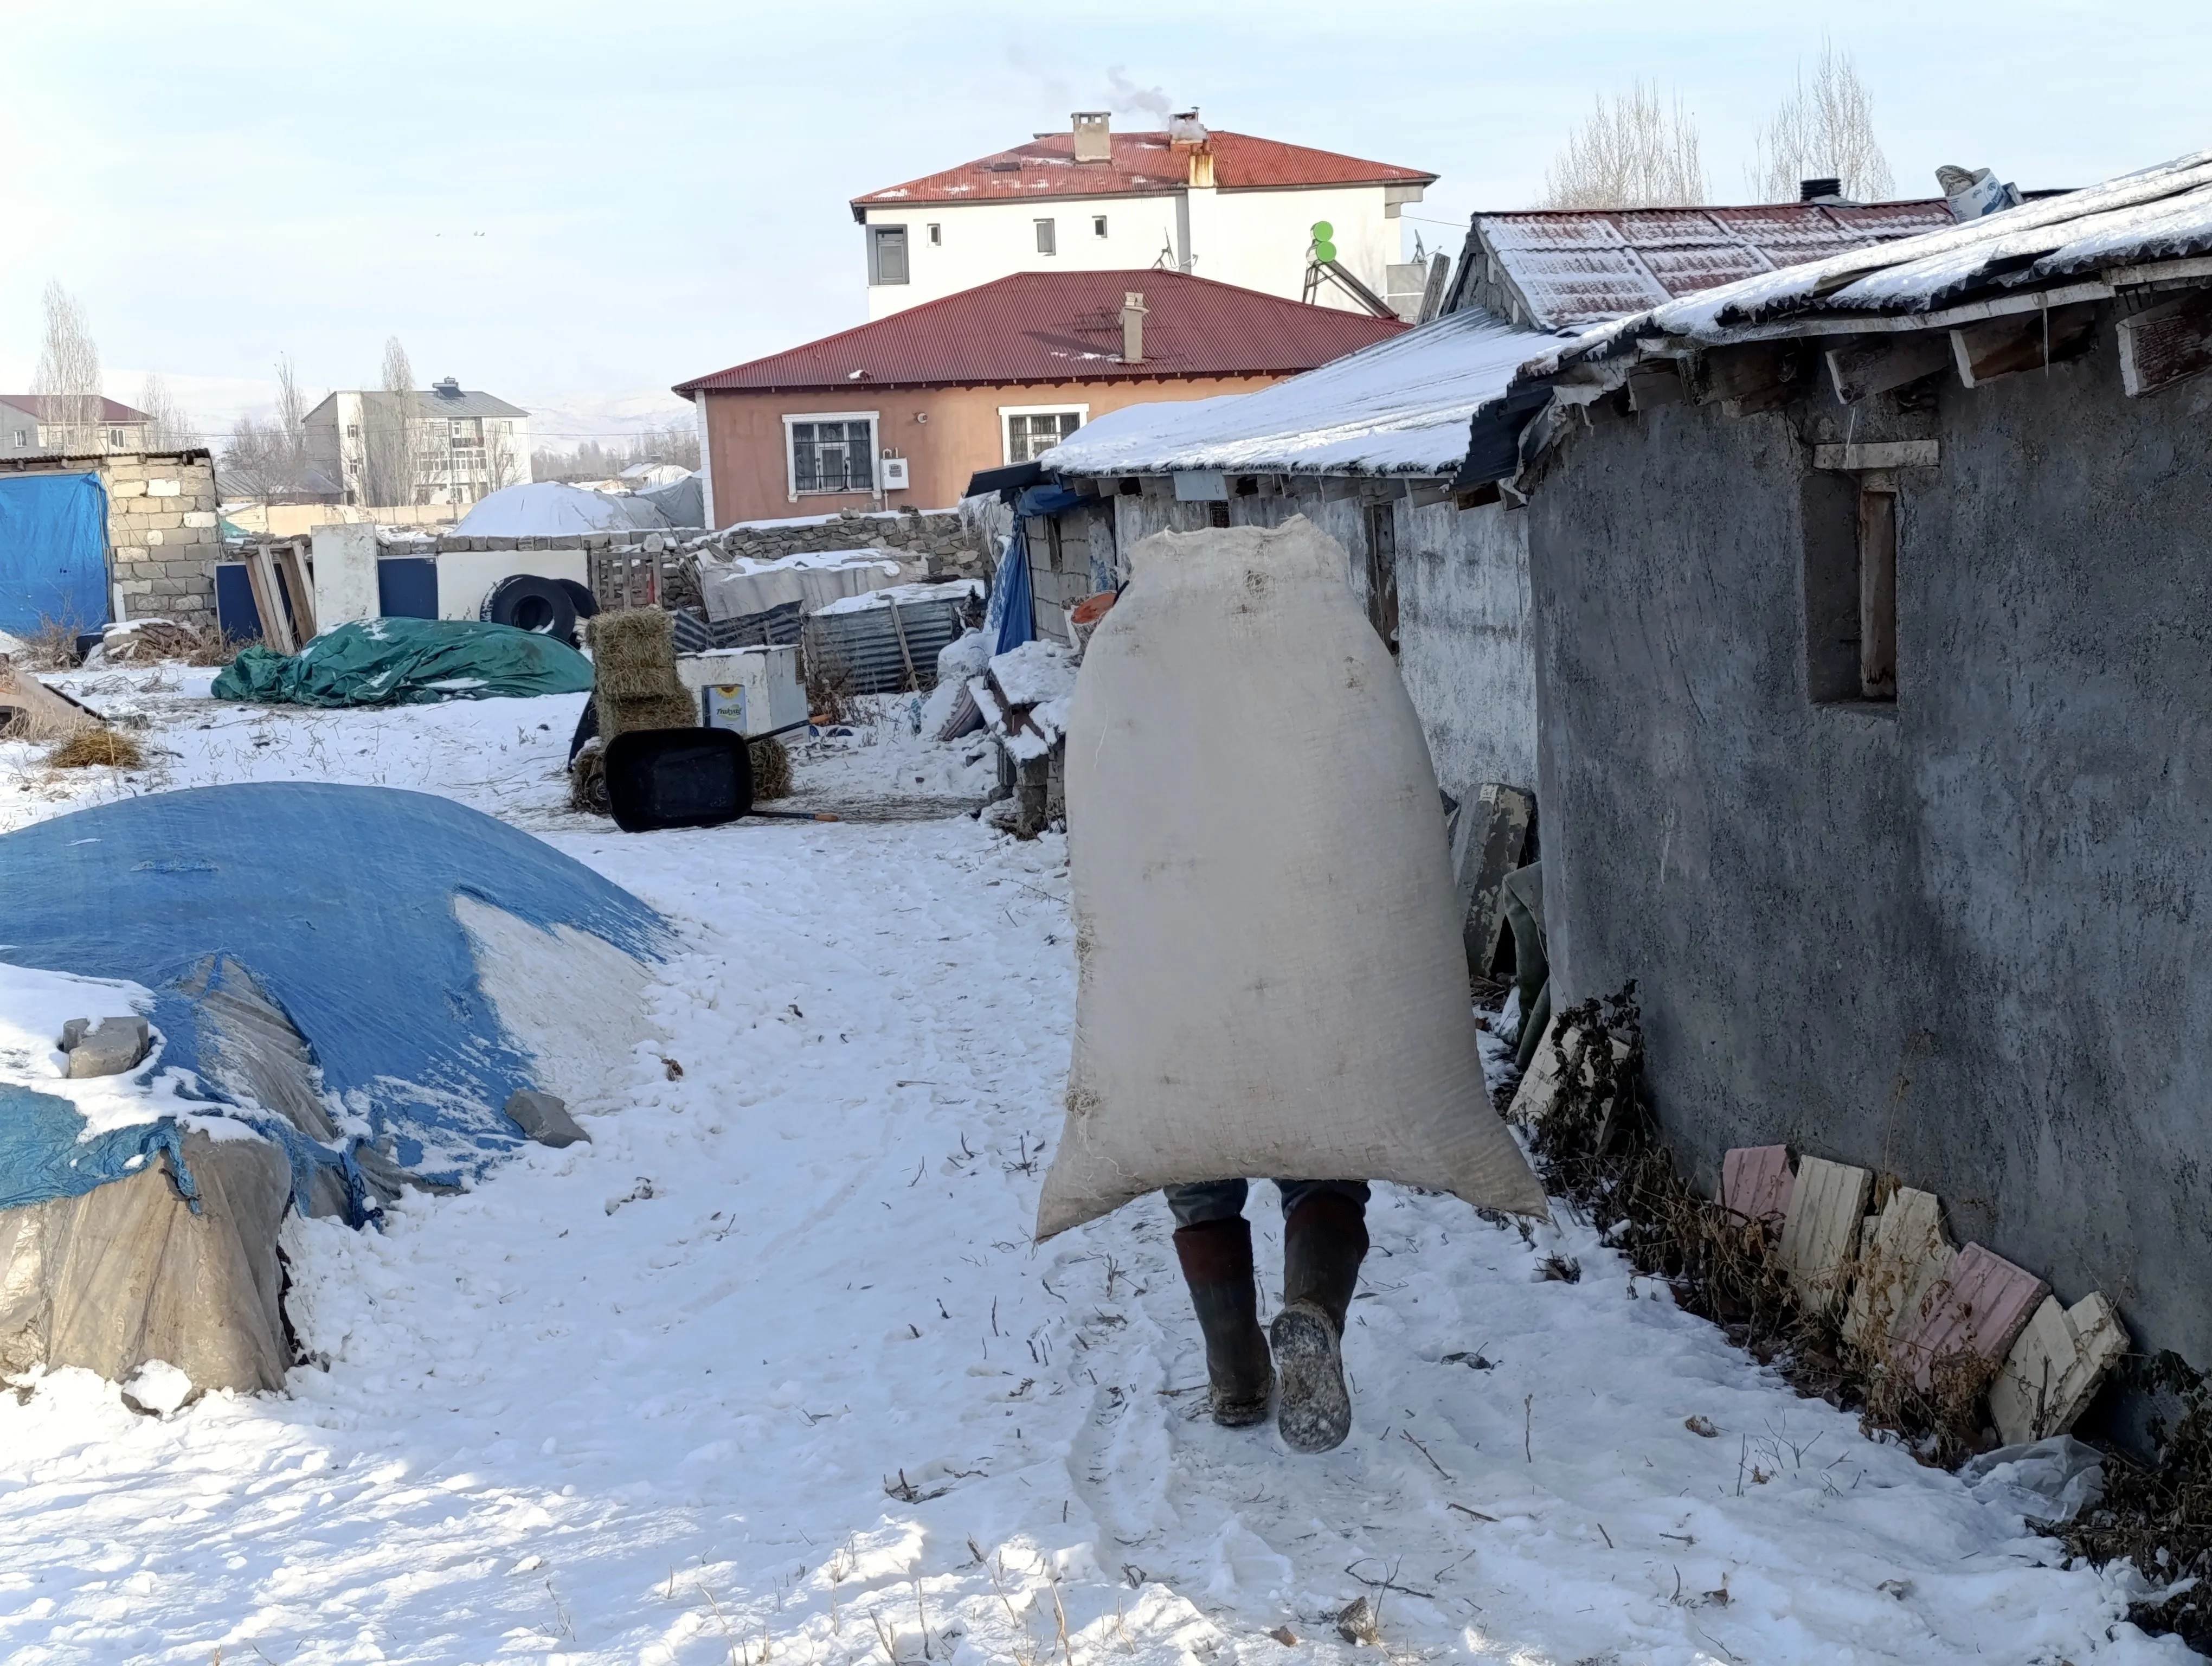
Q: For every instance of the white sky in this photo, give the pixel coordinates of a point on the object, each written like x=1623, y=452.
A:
x=576, y=205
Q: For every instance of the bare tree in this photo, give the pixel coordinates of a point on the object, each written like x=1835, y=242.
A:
x=67, y=380
x=1823, y=130
x=389, y=437
x=1633, y=152
x=269, y=459
x=168, y=425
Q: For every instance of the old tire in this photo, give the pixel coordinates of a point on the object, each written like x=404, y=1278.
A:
x=527, y=602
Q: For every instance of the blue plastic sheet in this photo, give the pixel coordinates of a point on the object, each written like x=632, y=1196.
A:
x=339, y=902
x=1012, y=613
x=43, y=1154
x=53, y=552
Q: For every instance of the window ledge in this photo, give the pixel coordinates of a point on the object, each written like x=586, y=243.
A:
x=1860, y=706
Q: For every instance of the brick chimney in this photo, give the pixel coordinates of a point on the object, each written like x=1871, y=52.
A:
x=1094, y=136
x=1132, y=326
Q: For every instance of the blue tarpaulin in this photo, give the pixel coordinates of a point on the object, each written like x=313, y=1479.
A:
x=53, y=552
x=1011, y=614
x=42, y=1154
x=338, y=902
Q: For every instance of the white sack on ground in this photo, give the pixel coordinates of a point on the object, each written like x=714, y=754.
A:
x=1271, y=981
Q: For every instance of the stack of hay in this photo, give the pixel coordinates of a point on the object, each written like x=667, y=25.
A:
x=634, y=686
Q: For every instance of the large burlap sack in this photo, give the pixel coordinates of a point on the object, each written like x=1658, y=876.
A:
x=1270, y=976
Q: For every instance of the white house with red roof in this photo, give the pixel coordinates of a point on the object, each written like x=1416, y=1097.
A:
x=1225, y=206
x=28, y=427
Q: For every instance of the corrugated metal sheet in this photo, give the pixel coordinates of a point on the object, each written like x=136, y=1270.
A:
x=1143, y=164
x=1577, y=267
x=860, y=646
x=1065, y=326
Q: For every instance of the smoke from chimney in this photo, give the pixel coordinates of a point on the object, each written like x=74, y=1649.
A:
x=1130, y=99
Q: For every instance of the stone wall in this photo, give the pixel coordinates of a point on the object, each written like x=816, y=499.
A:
x=162, y=535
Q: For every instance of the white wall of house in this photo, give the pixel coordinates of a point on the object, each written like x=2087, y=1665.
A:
x=1256, y=238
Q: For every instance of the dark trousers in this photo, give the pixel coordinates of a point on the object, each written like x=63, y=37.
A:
x=1224, y=1199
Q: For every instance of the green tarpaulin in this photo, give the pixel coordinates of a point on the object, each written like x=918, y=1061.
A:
x=407, y=662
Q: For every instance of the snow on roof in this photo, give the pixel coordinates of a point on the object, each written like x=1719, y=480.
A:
x=1399, y=407
x=545, y=508
x=1577, y=267
x=2161, y=213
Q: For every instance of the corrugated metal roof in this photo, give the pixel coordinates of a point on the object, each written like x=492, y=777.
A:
x=1143, y=164
x=1066, y=326
x=1574, y=268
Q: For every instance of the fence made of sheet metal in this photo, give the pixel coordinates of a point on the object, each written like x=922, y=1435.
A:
x=886, y=649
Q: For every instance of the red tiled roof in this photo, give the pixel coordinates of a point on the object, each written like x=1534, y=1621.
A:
x=1067, y=326
x=1143, y=164
x=110, y=410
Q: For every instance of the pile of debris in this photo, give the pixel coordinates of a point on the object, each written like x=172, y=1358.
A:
x=1848, y=1272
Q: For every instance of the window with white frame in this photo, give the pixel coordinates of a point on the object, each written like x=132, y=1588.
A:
x=1048, y=240
x=1098, y=225
x=1032, y=430
x=887, y=255
x=832, y=453
x=936, y=235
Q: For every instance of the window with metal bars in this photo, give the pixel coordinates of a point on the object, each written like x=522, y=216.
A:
x=1032, y=435
x=833, y=457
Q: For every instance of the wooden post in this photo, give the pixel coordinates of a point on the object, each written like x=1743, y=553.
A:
x=269, y=600
x=1878, y=585
x=898, y=629
x=299, y=590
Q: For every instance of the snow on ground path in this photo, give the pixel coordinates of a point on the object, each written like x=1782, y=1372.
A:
x=772, y=1365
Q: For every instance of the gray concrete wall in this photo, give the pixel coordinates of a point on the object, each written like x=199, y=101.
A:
x=1465, y=651
x=1961, y=939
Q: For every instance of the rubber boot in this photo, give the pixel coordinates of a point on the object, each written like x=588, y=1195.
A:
x=1323, y=1242
x=1216, y=1265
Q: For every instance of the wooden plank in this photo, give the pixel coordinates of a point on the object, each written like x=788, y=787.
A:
x=47, y=711
x=1878, y=586
x=1862, y=369
x=1755, y=1182
x=1821, y=1231
x=2053, y=1371
x=1980, y=1309
x=1878, y=454
x=297, y=588
x=2160, y=271
x=2167, y=344
x=1906, y=1256
x=269, y=600
x=2026, y=341
x=1758, y=377
x=1653, y=385
x=898, y=629
x=1494, y=840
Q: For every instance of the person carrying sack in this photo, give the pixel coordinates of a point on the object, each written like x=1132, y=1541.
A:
x=1271, y=978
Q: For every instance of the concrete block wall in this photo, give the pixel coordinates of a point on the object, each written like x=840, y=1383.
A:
x=163, y=534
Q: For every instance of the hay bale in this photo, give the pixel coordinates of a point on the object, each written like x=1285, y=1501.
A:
x=96, y=749
x=771, y=771
x=634, y=655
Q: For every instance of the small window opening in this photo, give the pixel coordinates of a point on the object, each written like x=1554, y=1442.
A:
x=1851, y=585
x=936, y=235
x=1098, y=225
x=887, y=255
x=1047, y=242
x=1383, y=571
x=1217, y=513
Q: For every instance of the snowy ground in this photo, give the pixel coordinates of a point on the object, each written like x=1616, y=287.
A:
x=771, y=1370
